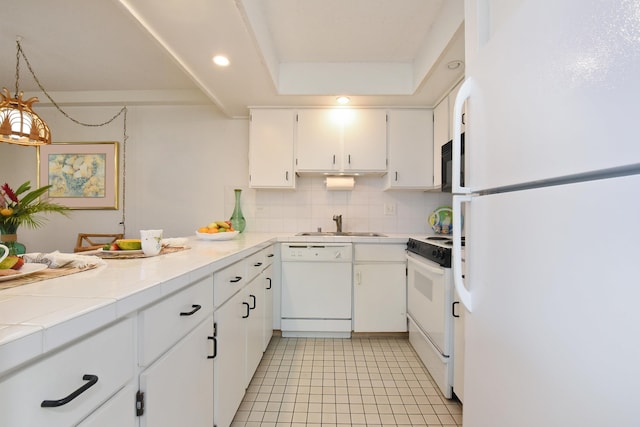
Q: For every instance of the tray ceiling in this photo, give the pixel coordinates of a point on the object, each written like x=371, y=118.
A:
x=282, y=52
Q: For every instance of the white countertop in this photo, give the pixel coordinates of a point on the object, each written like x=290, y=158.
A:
x=41, y=316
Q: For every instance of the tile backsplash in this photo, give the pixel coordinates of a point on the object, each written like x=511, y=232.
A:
x=311, y=206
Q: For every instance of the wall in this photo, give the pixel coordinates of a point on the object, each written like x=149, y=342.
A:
x=363, y=209
x=182, y=164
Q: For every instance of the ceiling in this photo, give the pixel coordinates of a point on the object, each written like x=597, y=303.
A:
x=282, y=52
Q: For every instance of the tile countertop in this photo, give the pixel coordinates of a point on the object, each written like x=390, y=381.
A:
x=42, y=316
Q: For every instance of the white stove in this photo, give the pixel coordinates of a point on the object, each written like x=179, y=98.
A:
x=429, y=306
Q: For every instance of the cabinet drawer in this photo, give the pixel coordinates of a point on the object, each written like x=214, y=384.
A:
x=107, y=355
x=269, y=255
x=255, y=264
x=228, y=281
x=380, y=252
x=164, y=323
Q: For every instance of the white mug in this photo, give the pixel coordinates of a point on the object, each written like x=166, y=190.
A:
x=151, y=241
x=5, y=252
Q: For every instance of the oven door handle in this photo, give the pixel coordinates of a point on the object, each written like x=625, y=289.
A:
x=456, y=253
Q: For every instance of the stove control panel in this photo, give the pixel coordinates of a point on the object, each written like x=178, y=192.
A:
x=433, y=252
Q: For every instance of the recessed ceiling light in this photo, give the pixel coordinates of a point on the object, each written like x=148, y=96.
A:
x=343, y=99
x=454, y=65
x=223, y=61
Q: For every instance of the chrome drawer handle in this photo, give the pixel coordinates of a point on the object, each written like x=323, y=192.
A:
x=93, y=379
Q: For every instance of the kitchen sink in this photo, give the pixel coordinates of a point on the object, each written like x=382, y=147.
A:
x=341, y=233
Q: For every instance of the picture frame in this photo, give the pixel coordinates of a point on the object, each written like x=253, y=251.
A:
x=82, y=175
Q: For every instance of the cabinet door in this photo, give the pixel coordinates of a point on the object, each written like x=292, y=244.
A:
x=410, y=149
x=267, y=278
x=178, y=387
x=271, y=139
x=441, y=135
x=319, y=140
x=117, y=411
x=380, y=297
x=365, y=140
x=254, y=327
x=229, y=364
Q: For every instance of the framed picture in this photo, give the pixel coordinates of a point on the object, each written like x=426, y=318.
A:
x=81, y=175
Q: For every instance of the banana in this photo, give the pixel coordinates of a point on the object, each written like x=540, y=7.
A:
x=223, y=224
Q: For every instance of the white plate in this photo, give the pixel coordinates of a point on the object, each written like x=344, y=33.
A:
x=26, y=269
x=123, y=252
x=227, y=235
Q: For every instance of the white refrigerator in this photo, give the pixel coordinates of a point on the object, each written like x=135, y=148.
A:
x=552, y=213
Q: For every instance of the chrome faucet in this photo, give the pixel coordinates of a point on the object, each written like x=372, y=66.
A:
x=338, y=220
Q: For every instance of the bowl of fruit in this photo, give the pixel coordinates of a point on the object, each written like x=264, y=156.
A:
x=128, y=246
x=217, y=230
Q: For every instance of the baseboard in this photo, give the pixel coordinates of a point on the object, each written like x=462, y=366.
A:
x=405, y=335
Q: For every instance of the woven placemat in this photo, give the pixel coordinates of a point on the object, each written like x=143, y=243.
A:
x=49, y=273
x=163, y=251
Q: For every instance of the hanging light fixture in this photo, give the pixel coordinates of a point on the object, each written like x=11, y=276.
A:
x=19, y=124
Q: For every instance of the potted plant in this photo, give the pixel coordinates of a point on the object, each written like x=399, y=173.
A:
x=16, y=211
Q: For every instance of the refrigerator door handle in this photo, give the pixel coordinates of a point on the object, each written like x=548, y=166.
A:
x=456, y=256
x=463, y=94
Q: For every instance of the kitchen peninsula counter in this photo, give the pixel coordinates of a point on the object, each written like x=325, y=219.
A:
x=41, y=317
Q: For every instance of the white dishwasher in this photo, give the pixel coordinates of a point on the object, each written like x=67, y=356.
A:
x=316, y=290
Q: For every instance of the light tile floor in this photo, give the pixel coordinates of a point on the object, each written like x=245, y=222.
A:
x=342, y=382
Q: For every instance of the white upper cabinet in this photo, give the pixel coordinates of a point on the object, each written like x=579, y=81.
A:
x=319, y=140
x=365, y=141
x=443, y=121
x=441, y=135
x=271, y=145
x=411, y=151
x=342, y=140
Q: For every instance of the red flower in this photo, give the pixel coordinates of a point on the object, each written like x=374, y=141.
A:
x=9, y=192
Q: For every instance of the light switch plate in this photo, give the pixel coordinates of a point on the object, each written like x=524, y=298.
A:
x=390, y=209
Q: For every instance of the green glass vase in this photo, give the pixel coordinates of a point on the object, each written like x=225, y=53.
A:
x=9, y=238
x=237, y=218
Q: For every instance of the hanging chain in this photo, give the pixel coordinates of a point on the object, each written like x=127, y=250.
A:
x=17, y=67
x=20, y=51
x=124, y=173
x=123, y=112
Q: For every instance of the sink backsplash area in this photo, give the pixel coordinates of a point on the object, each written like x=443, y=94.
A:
x=310, y=206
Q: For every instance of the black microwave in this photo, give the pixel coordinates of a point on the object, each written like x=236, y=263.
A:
x=447, y=164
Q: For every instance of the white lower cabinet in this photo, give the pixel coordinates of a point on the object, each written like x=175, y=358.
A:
x=229, y=363
x=254, y=331
x=175, y=362
x=178, y=387
x=240, y=328
x=175, y=344
x=267, y=278
x=68, y=385
x=117, y=411
x=379, y=288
